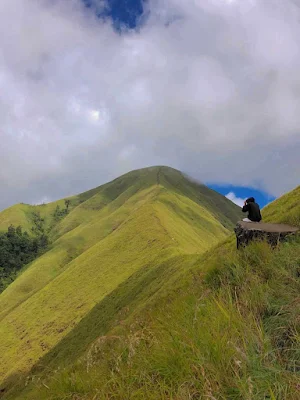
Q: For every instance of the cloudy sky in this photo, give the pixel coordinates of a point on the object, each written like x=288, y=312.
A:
x=90, y=89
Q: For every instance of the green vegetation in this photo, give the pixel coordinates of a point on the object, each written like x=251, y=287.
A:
x=131, y=303
x=285, y=209
x=228, y=329
x=140, y=220
x=17, y=249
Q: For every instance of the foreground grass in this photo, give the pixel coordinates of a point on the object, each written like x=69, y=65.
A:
x=228, y=329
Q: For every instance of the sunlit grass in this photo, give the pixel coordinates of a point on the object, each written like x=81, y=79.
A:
x=108, y=236
x=141, y=309
x=229, y=331
x=285, y=209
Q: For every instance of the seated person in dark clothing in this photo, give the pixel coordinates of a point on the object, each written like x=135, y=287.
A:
x=253, y=210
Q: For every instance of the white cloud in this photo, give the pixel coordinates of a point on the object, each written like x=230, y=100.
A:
x=94, y=115
x=127, y=152
x=237, y=200
x=208, y=87
x=44, y=200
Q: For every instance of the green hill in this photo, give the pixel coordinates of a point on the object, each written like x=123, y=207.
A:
x=285, y=209
x=141, y=309
x=115, y=250
x=219, y=325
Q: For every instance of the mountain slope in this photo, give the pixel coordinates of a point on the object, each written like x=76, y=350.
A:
x=141, y=222
x=223, y=325
x=285, y=209
x=186, y=325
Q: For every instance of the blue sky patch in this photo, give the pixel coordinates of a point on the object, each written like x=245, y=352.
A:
x=122, y=12
x=242, y=193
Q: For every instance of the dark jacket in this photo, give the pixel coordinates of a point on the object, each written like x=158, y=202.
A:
x=253, y=211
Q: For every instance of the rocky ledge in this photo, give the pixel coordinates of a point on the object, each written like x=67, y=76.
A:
x=273, y=233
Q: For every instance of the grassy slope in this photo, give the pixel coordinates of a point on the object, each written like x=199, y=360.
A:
x=15, y=215
x=285, y=209
x=138, y=224
x=224, y=325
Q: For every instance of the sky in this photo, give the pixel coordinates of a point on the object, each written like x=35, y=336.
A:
x=91, y=89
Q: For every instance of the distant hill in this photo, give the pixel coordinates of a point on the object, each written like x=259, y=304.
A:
x=122, y=189
x=111, y=246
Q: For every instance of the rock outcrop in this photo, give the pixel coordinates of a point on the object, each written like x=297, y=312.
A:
x=273, y=233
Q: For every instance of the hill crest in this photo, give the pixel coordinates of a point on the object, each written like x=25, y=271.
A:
x=134, y=181
x=141, y=220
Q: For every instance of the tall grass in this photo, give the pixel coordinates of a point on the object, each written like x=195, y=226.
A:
x=230, y=331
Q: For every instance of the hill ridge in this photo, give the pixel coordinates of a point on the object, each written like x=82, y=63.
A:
x=144, y=217
x=143, y=175
x=147, y=294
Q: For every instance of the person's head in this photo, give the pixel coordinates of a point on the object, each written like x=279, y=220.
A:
x=250, y=200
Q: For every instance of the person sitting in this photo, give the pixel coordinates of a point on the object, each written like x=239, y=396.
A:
x=253, y=210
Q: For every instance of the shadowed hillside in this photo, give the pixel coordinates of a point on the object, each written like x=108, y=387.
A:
x=112, y=247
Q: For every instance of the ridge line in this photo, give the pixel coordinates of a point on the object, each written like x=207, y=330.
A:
x=158, y=179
